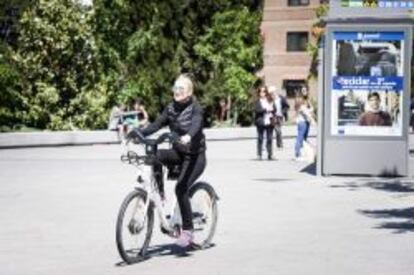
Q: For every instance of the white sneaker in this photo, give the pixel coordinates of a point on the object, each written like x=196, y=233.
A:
x=299, y=159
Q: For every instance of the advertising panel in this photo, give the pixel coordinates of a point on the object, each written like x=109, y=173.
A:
x=377, y=3
x=367, y=83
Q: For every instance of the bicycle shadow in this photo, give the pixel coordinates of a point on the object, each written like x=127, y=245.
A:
x=166, y=250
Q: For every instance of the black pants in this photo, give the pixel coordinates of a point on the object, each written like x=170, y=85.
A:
x=192, y=166
x=269, y=136
x=278, y=132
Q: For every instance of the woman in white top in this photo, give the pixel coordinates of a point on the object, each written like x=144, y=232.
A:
x=304, y=117
x=265, y=112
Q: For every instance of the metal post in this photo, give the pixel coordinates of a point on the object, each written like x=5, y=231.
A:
x=321, y=95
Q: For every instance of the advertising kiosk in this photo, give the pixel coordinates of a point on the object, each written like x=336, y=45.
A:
x=365, y=89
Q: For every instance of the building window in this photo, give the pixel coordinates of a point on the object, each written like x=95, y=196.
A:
x=297, y=41
x=293, y=3
x=293, y=87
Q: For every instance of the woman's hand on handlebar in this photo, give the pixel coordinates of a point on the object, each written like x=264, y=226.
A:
x=170, y=136
x=185, y=139
x=174, y=138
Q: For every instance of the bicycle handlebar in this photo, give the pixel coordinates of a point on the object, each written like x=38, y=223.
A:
x=132, y=157
x=139, y=138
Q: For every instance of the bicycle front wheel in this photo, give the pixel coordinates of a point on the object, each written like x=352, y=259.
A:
x=134, y=227
x=203, y=201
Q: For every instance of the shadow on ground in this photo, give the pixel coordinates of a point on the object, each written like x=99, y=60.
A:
x=394, y=186
x=165, y=250
x=263, y=159
x=271, y=180
x=309, y=169
x=404, y=224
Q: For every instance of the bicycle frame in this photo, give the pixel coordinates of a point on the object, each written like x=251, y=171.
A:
x=132, y=244
x=147, y=182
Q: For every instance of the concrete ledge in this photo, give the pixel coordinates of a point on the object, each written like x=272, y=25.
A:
x=15, y=140
x=64, y=138
x=248, y=133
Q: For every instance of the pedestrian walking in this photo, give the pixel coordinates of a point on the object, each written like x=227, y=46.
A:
x=265, y=119
x=281, y=106
x=304, y=118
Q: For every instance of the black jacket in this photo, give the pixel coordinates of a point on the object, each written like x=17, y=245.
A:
x=260, y=112
x=182, y=118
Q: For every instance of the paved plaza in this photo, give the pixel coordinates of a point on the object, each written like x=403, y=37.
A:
x=59, y=206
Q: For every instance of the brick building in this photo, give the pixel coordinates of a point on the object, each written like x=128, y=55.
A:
x=286, y=28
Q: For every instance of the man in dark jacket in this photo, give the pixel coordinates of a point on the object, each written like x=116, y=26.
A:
x=282, y=107
x=184, y=117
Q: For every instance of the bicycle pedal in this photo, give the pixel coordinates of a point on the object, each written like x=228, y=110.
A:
x=164, y=231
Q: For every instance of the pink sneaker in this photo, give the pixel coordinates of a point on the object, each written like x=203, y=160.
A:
x=185, y=239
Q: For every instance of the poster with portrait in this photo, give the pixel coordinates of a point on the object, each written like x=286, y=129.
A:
x=367, y=83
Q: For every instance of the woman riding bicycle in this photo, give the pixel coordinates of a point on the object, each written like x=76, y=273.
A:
x=184, y=116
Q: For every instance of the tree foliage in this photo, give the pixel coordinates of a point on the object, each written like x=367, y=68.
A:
x=71, y=64
x=232, y=48
x=57, y=55
x=318, y=31
x=161, y=39
x=11, y=100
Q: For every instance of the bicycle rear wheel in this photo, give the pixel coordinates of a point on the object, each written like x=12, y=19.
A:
x=134, y=227
x=203, y=201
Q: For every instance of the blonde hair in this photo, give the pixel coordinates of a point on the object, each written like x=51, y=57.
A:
x=187, y=80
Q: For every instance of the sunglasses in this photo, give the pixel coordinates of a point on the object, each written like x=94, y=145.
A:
x=178, y=89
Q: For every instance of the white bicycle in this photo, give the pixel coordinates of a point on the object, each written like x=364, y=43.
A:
x=135, y=221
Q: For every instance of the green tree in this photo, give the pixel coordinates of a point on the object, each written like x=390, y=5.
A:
x=148, y=43
x=11, y=100
x=57, y=55
x=233, y=48
x=71, y=63
x=318, y=30
x=138, y=48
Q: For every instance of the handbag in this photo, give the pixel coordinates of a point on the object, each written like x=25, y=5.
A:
x=275, y=121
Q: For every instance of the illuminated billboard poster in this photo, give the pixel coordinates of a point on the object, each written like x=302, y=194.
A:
x=367, y=83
